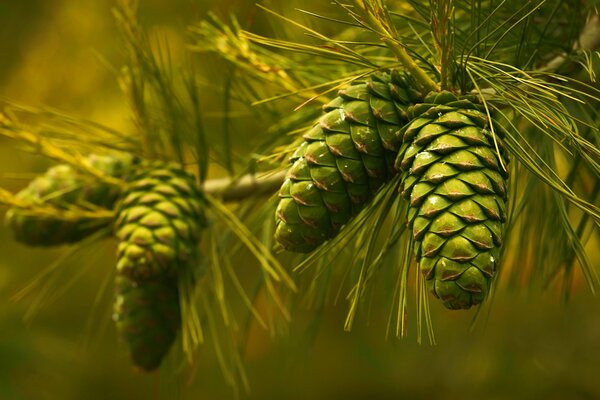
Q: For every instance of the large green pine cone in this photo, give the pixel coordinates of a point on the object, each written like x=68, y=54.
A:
x=453, y=177
x=148, y=318
x=63, y=186
x=158, y=223
x=344, y=159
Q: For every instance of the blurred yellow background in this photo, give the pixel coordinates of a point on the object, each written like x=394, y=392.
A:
x=62, y=54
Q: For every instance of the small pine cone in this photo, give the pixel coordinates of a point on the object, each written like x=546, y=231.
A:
x=63, y=186
x=453, y=177
x=147, y=317
x=345, y=158
x=158, y=223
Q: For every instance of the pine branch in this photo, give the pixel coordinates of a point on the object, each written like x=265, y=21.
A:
x=249, y=185
x=246, y=186
x=230, y=190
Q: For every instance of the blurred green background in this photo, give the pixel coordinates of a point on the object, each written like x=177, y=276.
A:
x=62, y=54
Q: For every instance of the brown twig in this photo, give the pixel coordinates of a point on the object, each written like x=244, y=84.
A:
x=248, y=185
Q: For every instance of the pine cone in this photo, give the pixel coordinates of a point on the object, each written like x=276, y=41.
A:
x=147, y=318
x=63, y=186
x=453, y=177
x=345, y=158
x=158, y=223
x=158, y=226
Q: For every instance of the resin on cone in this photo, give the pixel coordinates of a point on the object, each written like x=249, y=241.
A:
x=344, y=159
x=159, y=220
x=62, y=187
x=454, y=176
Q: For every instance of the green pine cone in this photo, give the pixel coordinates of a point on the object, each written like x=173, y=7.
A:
x=453, y=176
x=158, y=223
x=63, y=186
x=147, y=317
x=345, y=158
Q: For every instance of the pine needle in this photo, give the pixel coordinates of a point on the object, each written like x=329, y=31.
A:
x=269, y=264
x=55, y=279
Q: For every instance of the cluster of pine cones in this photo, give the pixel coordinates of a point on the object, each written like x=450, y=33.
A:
x=452, y=163
x=158, y=219
x=453, y=172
